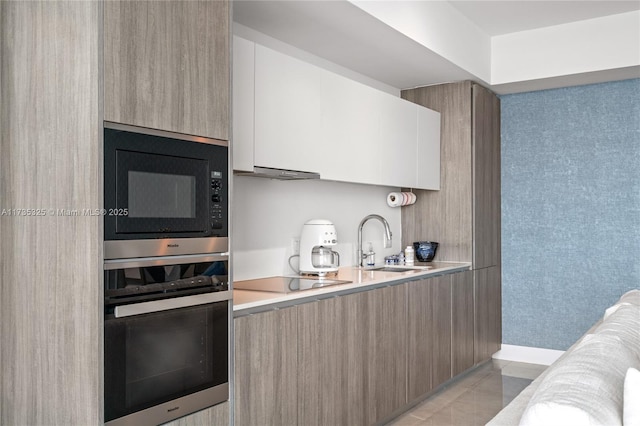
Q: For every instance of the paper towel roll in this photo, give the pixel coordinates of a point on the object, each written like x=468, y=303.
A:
x=394, y=199
x=399, y=199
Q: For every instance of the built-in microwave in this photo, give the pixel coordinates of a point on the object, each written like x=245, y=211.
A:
x=164, y=193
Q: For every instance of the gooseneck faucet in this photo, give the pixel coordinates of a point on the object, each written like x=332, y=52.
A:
x=387, y=235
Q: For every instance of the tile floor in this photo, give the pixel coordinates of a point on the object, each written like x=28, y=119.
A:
x=475, y=398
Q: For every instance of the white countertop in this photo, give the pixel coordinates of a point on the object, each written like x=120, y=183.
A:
x=362, y=279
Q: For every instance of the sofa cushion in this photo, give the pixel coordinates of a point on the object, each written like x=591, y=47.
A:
x=624, y=322
x=632, y=296
x=631, y=411
x=586, y=386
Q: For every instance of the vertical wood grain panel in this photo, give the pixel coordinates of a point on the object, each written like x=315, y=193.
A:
x=383, y=357
x=167, y=65
x=429, y=334
x=419, y=339
x=445, y=216
x=461, y=322
x=266, y=368
x=486, y=178
x=217, y=415
x=488, y=313
x=51, y=158
x=330, y=376
x=441, y=322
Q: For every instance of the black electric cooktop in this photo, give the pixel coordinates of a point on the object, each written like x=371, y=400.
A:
x=286, y=284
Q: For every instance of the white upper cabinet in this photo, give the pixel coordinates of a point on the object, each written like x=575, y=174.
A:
x=350, y=126
x=398, y=141
x=243, y=100
x=289, y=114
x=428, y=149
x=288, y=99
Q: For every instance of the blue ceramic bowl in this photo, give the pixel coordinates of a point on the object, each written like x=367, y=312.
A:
x=425, y=250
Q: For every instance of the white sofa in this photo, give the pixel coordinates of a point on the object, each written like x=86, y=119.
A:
x=595, y=382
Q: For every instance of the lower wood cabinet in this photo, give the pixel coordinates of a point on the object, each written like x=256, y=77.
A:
x=351, y=358
x=357, y=359
x=266, y=368
x=428, y=334
x=384, y=354
x=488, y=312
x=462, y=320
x=331, y=367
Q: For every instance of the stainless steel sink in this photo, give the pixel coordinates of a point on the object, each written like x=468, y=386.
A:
x=400, y=268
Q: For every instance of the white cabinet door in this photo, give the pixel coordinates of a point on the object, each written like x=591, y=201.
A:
x=289, y=114
x=243, y=104
x=350, y=128
x=288, y=97
x=428, y=152
x=398, y=140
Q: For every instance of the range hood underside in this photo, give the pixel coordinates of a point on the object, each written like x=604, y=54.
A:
x=280, y=174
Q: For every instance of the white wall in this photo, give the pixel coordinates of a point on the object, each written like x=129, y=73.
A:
x=610, y=42
x=267, y=214
x=440, y=27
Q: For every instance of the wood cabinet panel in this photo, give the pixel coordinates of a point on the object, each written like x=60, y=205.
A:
x=167, y=65
x=383, y=353
x=462, y=320
x=441, y=323
x=419, y=339
x=445, y=216
x=266, y=368
x=488, y=313
x=429, y=334
x=486, y=178
x=353, y=359
x=51, y=158
x=331, y=384
x=352, y=368
x=464, y=216
x=218, y=415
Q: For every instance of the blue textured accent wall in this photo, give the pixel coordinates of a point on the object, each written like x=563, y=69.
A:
x=570, y=209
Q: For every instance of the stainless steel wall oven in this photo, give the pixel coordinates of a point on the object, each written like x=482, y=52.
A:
x=167, y=303
x=165, y=337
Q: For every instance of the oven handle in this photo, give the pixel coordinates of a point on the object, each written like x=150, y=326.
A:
x=142, y=262
x=174, y=303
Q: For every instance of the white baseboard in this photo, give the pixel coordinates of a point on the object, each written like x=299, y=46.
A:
x=527, y=354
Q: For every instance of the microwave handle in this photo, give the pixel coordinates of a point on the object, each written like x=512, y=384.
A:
x=142, y=262
x=167, y=304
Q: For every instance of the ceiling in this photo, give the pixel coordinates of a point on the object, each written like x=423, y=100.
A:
x=504, y=17
x=342, y=33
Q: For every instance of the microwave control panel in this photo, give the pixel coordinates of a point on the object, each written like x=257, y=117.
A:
x=217, y=208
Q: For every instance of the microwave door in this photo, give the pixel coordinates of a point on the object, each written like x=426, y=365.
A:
x=161, y=194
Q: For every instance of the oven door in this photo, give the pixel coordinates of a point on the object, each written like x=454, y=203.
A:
x=165, y=359
x=166, y=337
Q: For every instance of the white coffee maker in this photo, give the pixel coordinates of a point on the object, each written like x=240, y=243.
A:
x=316, y=256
